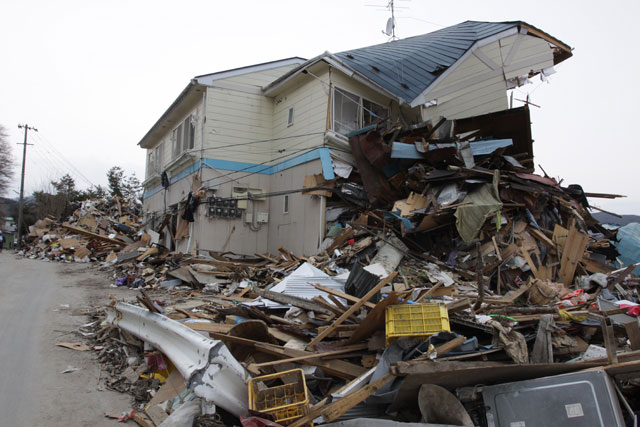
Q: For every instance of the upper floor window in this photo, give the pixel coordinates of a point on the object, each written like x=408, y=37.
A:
x=183, y=137
x=290, y=117
x=352, y=112
x=155, y=160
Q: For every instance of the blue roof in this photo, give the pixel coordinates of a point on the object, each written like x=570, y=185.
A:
x=408, y=66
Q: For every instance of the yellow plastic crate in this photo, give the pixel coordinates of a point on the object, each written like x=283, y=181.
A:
x=415, y=320
x=286, y=402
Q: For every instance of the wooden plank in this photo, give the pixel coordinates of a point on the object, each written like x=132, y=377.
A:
x=532, y=266
x=542, y=237
x=311, y=356
x=495, y=246
x=336, y=409
x=93, y=235
x=603, y=195
x=621, y=276
x=542, y=349
x=374, y=320
x=430, y=292
x=341, y=294
x=573, y=252
x=633, y=333
x=291, y=300
x=335, y=367
x=208, y=326
x=445, y=348
x=609, y=339
x=352, y=309
x=560, y=238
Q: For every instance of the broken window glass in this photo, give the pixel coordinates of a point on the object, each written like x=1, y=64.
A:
x=372, y=112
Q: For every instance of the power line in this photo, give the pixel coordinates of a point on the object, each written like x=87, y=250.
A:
x=261, y=170
x=258, y=164
x=61, y=157
x=260, y=141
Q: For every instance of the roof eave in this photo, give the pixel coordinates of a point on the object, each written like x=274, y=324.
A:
x=338, y=64
x=335, y=62
x=144, y=142
x=269, y=89
x=419, y=100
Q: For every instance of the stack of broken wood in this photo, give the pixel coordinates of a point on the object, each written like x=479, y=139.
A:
x=96, y=231
x=524, y=279
x=510, y=316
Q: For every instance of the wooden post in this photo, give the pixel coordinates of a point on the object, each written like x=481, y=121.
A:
x=351, y=310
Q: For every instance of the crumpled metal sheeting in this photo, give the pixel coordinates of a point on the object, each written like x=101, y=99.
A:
x=209, y=369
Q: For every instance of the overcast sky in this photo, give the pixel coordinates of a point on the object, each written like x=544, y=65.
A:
x=93, y=77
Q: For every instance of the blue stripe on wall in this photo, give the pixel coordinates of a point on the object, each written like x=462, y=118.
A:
x=319, y=153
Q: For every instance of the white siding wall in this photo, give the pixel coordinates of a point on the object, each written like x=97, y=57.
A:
x=457, y=99
x=259, y=79
x=309, y=98
x=235, y=117
x=299, y=230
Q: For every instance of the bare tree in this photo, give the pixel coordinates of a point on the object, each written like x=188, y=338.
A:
x=6, y=161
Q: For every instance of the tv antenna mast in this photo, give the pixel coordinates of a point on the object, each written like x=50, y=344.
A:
x=390, y=30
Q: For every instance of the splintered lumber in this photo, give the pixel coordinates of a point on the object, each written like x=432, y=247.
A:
x=374, y=320
x=445, y=348
x=573, y=252
x=633, y=333
x=603, y=195
x=311, y=356
x=542, y=237
x=335, y=367
x=609, y=339
x=336, y=409
x=93, y=235
x=542, y=349
x=532, y=266
x=291, y=300
x=352, y=310
x=340, y=294
x=621, y=276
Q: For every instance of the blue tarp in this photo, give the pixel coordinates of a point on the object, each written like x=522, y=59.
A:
x=629, y=245
x=400, y=150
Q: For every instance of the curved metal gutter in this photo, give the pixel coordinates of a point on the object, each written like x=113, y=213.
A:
x=209, y=369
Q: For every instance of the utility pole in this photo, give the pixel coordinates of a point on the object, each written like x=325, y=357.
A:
x=27, y=128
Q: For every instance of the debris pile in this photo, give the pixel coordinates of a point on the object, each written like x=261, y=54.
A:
x=450, y=274
x=96, y=231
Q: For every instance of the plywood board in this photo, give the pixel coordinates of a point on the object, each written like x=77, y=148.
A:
x=573, y=252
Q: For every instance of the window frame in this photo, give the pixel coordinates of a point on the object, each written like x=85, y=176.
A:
x=285, y=204
x=290, y=116
x=183, y=136
x=360, y=107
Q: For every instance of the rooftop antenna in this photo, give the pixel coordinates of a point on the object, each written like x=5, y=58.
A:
x=390, y=31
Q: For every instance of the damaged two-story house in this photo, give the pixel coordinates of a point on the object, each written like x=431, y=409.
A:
x=245, y=142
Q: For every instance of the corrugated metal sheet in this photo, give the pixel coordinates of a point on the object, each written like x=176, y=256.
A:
x=299, y=284
x=407, y=67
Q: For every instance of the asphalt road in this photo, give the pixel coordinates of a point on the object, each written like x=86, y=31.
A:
x=41, y=304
